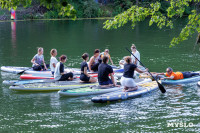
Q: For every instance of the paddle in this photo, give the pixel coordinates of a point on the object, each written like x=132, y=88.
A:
x=162, y=89
x=24, y=70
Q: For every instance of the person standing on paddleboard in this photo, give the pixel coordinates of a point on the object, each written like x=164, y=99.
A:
x=85, y=77
x=127, y=80
x=60, y=74
x=53, y=60
x=136, y=53
x=38, y=60
x=95, y=60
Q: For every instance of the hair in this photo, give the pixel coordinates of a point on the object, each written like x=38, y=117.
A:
x=96, y=51
x=127, y=59
x=169, y=68
x=63, y=57
x=85, y=55
x=40, y=49
x=106, y=50
x=52, y=51
x=105, y=59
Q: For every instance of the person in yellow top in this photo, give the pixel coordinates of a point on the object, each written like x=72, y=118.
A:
x=176, y=75
x=106, y=53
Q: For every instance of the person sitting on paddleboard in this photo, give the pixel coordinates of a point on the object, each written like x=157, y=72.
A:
x=176, y=75
x=104, y=71
x=60, y=74
x=106, y=52
x=127, y=80
x=95, y=60
x=85, y=77
x=53, y=60
x=38, y=60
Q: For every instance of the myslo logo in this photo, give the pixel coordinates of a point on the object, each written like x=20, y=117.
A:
x=180, y=124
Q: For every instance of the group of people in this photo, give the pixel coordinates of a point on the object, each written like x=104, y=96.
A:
x=99, y=63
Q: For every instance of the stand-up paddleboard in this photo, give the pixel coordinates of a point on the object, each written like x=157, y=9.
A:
x=181, y=81
x=21, y=82
x=53, y=86
x=39, y=76
x=121, y=95
x=91, y=90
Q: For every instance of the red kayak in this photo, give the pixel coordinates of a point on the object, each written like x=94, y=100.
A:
x=35, y=76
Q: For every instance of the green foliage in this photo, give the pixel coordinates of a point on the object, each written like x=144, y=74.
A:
x=121, y=5
x=87, y=9
x=162, y=16
x=61, y=6
x=51, y=14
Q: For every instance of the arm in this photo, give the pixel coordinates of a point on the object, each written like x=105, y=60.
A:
x=90, y=63
x=33, y=61
x=140, y=71
x=111, y=61
x=112, y=78
x=85, y=72
x=45, y=67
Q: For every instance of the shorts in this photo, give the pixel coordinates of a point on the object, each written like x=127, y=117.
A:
x=85, y=78
x=106, y=82
x=128, y=82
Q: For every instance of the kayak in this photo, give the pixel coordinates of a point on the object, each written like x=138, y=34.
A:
x=12, y=69
x=21, y=82
x=91, y=90
x=121, y=95
x=40, y=76
x=181, y=81
x=54, y=86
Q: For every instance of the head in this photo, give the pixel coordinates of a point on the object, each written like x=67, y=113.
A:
x=105, y=59
x=133, y=47
x=96, y=52
x=106, y=51
x=169, y=70
x=40, y=50
x=63, y=58
x=128, y=59
x=53, y=52
x=85, y=56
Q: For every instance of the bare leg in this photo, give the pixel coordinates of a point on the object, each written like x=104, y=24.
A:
x=132, y=89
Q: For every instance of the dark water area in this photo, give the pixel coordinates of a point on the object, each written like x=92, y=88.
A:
x=42, y=112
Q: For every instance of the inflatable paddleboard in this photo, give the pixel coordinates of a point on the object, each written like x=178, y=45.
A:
x=181, y=81
x=121, y=95
x=94, y=90
x=51, y=86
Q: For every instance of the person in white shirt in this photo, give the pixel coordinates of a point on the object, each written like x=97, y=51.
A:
x=136, y=54
x=60, y=74
x=53, y=60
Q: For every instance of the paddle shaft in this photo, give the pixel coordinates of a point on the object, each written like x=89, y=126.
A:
x=160, y=86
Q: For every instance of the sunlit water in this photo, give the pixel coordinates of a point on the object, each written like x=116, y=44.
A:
x=152, y=112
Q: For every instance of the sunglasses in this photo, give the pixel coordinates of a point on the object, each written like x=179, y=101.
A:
x=133, y=47
x=106, y=51
x=168, y=71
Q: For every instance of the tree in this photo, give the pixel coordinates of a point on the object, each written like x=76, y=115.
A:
x=176, y=9
x=62, y=6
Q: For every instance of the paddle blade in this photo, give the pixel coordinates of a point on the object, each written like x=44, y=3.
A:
x=21, y=72
x=161, y=87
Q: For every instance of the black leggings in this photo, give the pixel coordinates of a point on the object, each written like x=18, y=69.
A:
x=95, y=67
x=40, y=67
x=189, y=74
x=66, y=76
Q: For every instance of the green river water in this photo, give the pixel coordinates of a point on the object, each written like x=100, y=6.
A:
x=47, y=112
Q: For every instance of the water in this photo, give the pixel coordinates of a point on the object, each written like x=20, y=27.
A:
x=42, y=112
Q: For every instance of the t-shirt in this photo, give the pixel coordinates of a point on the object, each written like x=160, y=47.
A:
x=38, y=59
x=53, y=60
x=58, y=70
x=177, y=75
x=136, y=54
x=129, y=70
x=103, y=71
x=83, y=65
